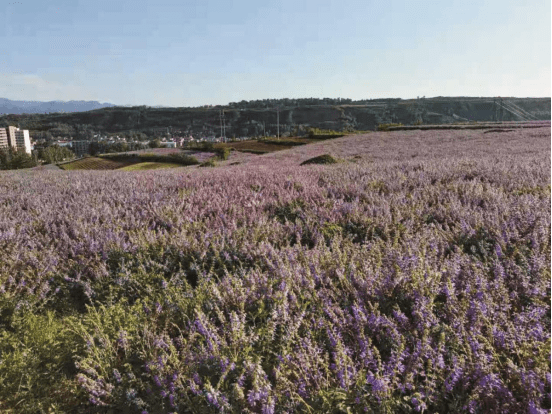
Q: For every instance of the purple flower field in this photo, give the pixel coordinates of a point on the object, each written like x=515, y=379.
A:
x=412, y=276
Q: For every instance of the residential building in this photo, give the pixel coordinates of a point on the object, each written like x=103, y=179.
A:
x=15, y=138
x=23, y=140
x=11, y=136
x=80, y=147
x=61, y=143
x=3, y=138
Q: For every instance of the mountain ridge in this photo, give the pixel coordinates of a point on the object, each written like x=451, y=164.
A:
x=19, y=107
x=294, y=116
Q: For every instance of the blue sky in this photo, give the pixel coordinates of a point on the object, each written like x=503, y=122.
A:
x=198, y=52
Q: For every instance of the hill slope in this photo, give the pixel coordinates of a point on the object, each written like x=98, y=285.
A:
x=413, y=276
x=293, y=119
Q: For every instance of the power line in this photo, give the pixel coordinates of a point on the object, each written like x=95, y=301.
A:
x=222, y=134
x=511, y=110
x=522, y=111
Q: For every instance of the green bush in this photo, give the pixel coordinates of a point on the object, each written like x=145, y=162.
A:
x=11, y=159
x=385, y=127
x=209, y=163
x=324, y=133
x=223, y=153
x=289, y=142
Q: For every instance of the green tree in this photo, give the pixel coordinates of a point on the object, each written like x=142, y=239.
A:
x=156, y=143
x=11, y=159
x=54, y=154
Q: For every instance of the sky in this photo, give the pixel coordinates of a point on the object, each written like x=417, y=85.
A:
x=203, y=52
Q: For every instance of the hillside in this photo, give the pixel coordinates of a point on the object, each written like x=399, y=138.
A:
x=411, y=275
x=247, y=121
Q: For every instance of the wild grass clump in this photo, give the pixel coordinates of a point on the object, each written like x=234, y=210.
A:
x=209, y=163
x=394, y=286
x=324, y=133
x=385, y=127
x=223, y=153
x=321, y=159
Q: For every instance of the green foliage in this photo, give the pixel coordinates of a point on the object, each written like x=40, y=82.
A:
x=11, y=159
x=481, y=244
x=290, y=211
x=141, y=166
x=54, y=154
x=330, y=231
x=385, y=127
x=223, y=153
x=209, y=163
x=37, y=365
x=156, y=143
x=535, y=191
x=321, y=159
x=201, y=146
x=324, y=133
x=288, y=142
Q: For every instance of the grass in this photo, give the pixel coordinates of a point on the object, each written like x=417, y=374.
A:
x=254, y=146
x=267, y=145
x=209, y=163
x=141, y=166
x=131, y=164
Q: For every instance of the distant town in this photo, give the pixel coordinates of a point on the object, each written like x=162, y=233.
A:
x=56, y=136
x=104, y=143
x=18, y=139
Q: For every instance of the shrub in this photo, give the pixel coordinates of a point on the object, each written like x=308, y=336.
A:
x=324, y=133
x=183, y=159
x=209, y=163
x=321, y=159
x=223, y=153
x=289, y=142
x=385, y=127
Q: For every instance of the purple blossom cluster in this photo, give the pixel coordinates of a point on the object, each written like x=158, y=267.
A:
x=412, y=276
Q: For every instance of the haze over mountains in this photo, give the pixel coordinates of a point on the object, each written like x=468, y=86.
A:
x=7, y=106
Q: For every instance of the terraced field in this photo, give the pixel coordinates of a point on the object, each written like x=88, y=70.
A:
x=94, y=163
x=142, y=166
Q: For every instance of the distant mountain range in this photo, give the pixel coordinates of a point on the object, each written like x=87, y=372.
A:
x=257, y=118
x=7, y=106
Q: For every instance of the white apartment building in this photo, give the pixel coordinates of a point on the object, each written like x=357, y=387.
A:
x=3, y=138
x=23, y=140
x=15, y=138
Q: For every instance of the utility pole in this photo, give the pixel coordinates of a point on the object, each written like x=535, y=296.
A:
x=224, y=125
x=278, y=121
x=220, y=116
